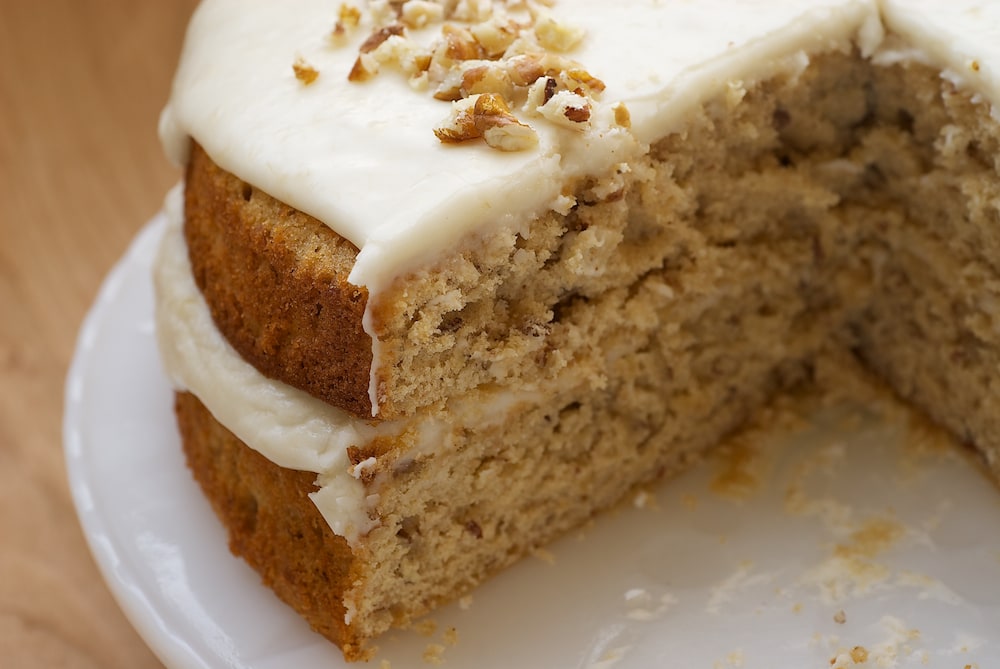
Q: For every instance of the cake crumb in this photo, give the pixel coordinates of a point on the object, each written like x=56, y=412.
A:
x=465, y=603
x=425, y=627
x=385, y=664
x=434, y=654
x=734, y=659
x=563, y=204
x=737, y=474
x=304, y=72
x=840, y=617
x=641, y=499
x=846, y=658
x=544, y=555
x=735, y=92
x=874, y=537
x=859, y=654
x=450, y=636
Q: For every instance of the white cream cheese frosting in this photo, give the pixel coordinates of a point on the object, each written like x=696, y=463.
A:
x=362, y=157
x=286, y=425
x=959, y=37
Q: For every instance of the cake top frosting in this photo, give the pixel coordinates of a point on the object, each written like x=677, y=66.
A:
x=362, y=155
x=285, y=96
x=961, y=37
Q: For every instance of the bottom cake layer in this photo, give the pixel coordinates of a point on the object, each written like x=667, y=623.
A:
x=272, y=523
x=446, y=520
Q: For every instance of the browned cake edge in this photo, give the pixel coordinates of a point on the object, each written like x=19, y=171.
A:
x=278, y=293
x=273, y=524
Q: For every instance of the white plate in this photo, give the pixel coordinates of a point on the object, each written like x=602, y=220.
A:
x=845, y=538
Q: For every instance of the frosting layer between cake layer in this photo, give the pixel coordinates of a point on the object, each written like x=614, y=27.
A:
x=288, y=426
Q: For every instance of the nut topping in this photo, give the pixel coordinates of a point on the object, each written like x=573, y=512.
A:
x=304, y=72
x=381, y=35
x=348, y=18
x=487, y=116
x=556, y=36
x=622, y=115
x=567, y=109
x=490, y=56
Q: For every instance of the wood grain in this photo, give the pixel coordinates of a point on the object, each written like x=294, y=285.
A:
x=81, y=170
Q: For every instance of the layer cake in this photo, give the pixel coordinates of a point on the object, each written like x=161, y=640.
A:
x=447, y=278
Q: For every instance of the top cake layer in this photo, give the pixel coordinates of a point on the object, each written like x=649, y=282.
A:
x=363, y=157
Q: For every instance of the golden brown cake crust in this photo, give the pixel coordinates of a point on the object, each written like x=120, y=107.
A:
x=272, y=523
x=275, y=280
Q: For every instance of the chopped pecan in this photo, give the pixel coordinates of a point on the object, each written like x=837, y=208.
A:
x=525, y=69
x=461, y=45
x=304, y=72
x=365, y=67
x=348, y=18
x=622, y=115
x=567, y=109
x=487, y=116
x=556, y=36
x=381, y=35
x=419, y=13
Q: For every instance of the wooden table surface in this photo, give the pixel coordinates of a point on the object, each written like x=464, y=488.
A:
x=81, y=86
